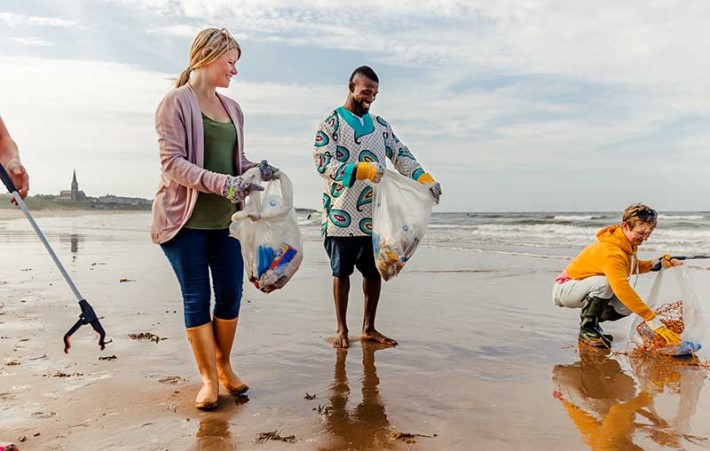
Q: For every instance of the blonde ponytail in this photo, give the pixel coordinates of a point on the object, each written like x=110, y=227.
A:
x=183, y=78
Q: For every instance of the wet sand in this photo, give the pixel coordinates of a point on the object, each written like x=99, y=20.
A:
x=485, y=361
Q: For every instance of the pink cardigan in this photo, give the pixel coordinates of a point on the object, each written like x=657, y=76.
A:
x=178, y=122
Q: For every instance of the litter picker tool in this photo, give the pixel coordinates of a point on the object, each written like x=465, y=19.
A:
x=689, y=257
x=87, y=316
x=667, y=258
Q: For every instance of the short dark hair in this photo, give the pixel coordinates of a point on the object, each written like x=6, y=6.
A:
x=365, y=71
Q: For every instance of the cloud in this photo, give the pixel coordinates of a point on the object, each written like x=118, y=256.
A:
x=606, y=41
x=513, y=100
x=32, y=41
x=21, y=20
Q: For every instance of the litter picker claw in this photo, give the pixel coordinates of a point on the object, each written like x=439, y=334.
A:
x=87, y=316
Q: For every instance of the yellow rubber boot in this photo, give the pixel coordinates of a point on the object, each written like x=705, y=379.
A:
x=202, y=341
x=224, y=331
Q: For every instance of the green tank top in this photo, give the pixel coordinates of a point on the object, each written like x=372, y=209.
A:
x=212, y=211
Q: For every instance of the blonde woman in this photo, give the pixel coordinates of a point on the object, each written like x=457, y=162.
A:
x=200, y=135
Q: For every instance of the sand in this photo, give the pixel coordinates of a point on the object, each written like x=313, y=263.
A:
x=485, y=361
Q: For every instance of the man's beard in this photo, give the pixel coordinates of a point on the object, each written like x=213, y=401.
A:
x=360, y=109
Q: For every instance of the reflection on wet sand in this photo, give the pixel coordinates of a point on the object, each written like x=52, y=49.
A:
x=604, y=405
x=74, y=240
x=365, y=426
x=213, y=431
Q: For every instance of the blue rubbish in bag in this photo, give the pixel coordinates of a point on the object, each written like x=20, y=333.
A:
x=267, y=228
x=687, y=347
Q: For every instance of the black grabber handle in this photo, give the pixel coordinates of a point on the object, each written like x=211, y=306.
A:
x=6, y=180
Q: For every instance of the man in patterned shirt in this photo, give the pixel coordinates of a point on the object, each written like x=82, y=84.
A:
x=351, y=147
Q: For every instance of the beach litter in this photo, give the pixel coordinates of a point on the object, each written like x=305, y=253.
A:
x=309, y=397
x=408, y=437
x=146, y=336
x=108, y=357
x=267, y=228
x=400, y=217
x=671, y=315
x=677, y=306
x=274, y=435
x=171, y=380
x=322, y=410
x=62, y=374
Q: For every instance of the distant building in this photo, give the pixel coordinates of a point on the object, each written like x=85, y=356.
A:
x=74, y=193
x=107, y=202
x=118, y=200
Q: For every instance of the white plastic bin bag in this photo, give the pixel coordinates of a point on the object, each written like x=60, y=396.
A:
x=268, y=231
x=673, y=303
x=401, y=211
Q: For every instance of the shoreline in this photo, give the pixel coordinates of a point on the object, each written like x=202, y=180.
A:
x=16, y=213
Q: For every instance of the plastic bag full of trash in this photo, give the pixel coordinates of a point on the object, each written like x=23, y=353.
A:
x=678, y=307
x=267, y=228
x=400, y=217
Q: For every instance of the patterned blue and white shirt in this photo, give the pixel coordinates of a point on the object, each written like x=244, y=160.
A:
x=342, y=141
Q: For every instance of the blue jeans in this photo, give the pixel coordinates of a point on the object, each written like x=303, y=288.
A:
x=194, y=254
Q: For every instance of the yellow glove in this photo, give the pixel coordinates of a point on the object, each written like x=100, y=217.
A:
x=434, y=186
x=672, y=338
x=665, y=262
x=371, y=171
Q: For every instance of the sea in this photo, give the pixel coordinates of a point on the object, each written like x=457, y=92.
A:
x=537, y=234
x=555, y=233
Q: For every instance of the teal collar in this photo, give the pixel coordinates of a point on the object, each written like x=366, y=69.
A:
x=361, y=128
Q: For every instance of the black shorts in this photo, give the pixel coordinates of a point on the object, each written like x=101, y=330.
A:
x=349, y=252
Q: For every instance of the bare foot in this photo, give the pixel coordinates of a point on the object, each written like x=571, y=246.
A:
x=341, y=340
x=377, y=337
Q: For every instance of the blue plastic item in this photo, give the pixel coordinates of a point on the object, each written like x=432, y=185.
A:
x=265, y=257
x=686, y=347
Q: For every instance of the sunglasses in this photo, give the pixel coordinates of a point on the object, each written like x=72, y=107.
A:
x=644, y=214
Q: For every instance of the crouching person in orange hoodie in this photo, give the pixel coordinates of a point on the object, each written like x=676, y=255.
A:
x=597, y=280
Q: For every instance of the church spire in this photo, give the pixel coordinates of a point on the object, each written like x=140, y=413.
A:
x=74, y=188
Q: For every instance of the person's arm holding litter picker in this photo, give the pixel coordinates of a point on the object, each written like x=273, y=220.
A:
x=406, y=164
x=10, y=159
x=615, y=272
x=345, y=174
x=665, y=261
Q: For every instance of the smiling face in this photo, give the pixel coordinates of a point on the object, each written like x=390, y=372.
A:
x=363, y=92
x=221, y=70
x=640, y=232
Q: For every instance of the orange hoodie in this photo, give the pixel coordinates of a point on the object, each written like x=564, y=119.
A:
x=612, y=256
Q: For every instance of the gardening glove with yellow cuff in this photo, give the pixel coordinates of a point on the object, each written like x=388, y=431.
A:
x=434, y=186
x=672, y=338
x=370, y=171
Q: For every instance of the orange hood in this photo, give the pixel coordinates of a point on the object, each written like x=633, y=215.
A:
x=614, y=234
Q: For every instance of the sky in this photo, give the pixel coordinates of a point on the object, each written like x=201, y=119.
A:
x=524, y=105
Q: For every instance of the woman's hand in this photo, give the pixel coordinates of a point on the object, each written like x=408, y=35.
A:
x=236, y=189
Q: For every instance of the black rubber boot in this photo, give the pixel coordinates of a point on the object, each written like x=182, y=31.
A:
x=610, y=314
x=589, y=331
